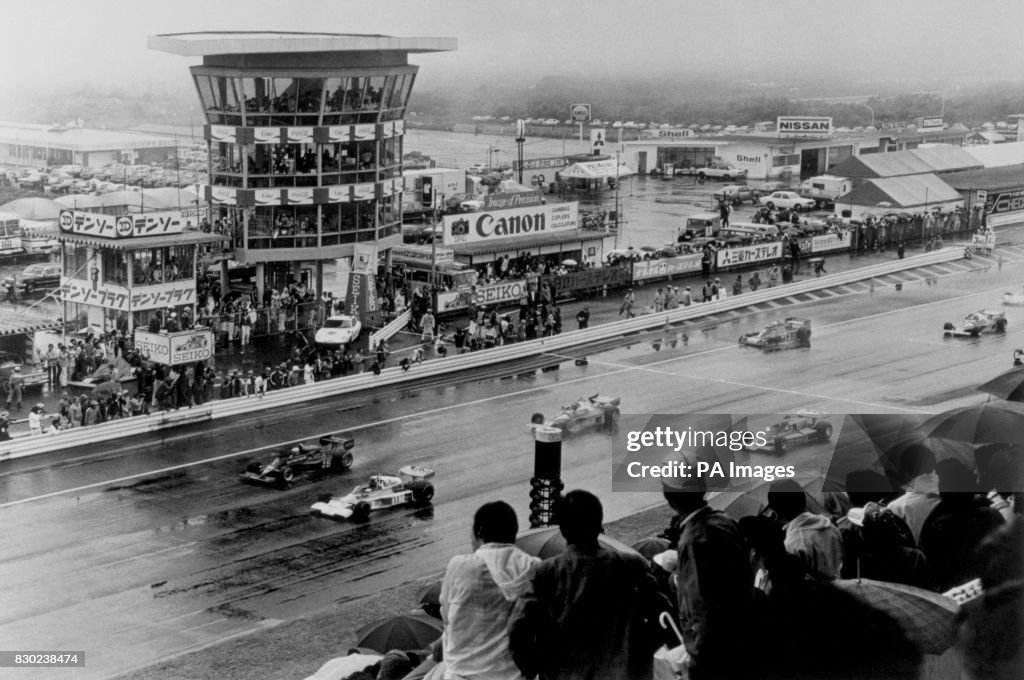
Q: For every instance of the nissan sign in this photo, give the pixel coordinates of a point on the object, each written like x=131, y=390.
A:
x=805, y=126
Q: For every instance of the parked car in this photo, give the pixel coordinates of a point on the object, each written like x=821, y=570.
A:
x=719, y=170
x=11, y=363
x=737, y=194
x=40, y=276
x=790, y=200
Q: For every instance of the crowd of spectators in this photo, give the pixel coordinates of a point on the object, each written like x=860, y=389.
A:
x=761, y=596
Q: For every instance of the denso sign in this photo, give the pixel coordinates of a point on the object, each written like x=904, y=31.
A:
x=816, y=126
x=516, y=222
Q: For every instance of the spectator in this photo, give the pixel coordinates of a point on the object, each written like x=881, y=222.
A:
x=713, y=578
x=14, y=388
x=585, y=615
x=627, y=304
x=922, y=490
x=35, y=419
x=478, y=595
x=808, y=536
x=427, y=323
x=583, y=317
x=956, y=527
x=737, y=286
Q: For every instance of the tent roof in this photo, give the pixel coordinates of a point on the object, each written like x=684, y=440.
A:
x=902, y=192
x=995, y=155
x=1003, y=177
x=34, y=208
x=137, y=199
x=939, y=158
x=79, y=201
x=595, y=170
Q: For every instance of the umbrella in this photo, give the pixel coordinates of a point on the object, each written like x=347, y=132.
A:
x=990, y=423
x=405, y=632
x=108, y=387
x=927, y=618
x=1008, y=386
x=430, y=600
x=548, y=542
x=749, y=499
x=94, y=330
x=649, y=547
x=570, y=263
x=884, y=204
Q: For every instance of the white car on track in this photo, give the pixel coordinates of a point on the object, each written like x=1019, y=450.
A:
x=339, y=330
x=410, y=486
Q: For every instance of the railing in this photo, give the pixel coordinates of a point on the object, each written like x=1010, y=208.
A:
x=557, y=344
x=392, y=328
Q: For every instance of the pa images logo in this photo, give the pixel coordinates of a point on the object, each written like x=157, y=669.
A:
x=460, y=229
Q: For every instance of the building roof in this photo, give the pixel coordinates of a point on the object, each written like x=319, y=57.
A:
x=33, y=208
x=209, y=43
x=901, y=192
x=517, y=243
x=25, y=320
x=140, y=242
x=940, y=158
x=596, y=170
x=78, y=139
x=181, y=132
x=991, y=179
x=996, y=155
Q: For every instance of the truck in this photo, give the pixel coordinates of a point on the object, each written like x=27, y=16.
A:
x=721, y=170
x=424, y=188
x=701, y=224
x=825, y=189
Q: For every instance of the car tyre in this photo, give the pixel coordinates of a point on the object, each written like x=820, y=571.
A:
x=537, y=419
x=824, y=431
x=780, y=445
x=342, y=462
x=287, y=474
x=701, y=176
x=422, y=493
x=28, y=288
x=1001, y=325
x=361, y=512
x=771, y=205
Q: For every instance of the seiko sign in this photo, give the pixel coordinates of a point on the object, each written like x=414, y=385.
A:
x=804, y=125
x=516, y=222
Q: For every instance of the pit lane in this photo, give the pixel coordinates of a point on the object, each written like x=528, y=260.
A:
x=159, y=546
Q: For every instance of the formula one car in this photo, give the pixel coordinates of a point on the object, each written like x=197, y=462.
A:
x=799, y=428
x=1014, y=298
x=334, y=454
x=792, y=332
x=975, y=324
x=382, y=491
x=598, y=410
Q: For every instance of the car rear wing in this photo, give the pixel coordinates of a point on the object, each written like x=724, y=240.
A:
x=605, y=400
x=416, y=473
x=797, y=322
x=344, y=441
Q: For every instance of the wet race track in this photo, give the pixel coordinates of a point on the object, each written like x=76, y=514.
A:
x=161, y=548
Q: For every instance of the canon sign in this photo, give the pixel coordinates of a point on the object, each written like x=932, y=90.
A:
x=515, y=222
x=804, y=125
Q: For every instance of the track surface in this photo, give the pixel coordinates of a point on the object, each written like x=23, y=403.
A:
x=138, y=551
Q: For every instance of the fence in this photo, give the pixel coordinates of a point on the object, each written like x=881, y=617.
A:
x=552, y=345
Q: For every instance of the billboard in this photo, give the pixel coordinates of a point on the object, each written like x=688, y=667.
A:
x=490, y=294
x=579, y=112
x=492, y=225
x=665, y=267
x=171, y=349
x=361, y=298
x=804, y=126
x=128, y=226
x=766, y=252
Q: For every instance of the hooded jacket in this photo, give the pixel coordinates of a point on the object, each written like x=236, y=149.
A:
x=477, y=597
x=817, y=542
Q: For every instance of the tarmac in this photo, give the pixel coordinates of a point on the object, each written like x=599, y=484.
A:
x=603, y=309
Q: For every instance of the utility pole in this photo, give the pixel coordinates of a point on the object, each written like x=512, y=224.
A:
x=520, y=140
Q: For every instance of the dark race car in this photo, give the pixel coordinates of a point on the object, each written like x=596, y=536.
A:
x=793, y=430
x=975, y=324
x=599, y=411
x=332, y=455
x=793, y=332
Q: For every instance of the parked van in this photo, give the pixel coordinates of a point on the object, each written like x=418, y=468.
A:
x=701, y=224
x=825, y=189
x=750, y=230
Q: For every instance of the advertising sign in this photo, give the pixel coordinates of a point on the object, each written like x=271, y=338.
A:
x=520, y=199
x=89, y=224
x=97, y=294
x=108, y=226
x=298, y=196
x=171, y=349
x=223, y=195
x=669, y=133
x=579, y=113
x=364, y=192
x=363, y=132
x=267, y=135
x=299, y=135
x=268, y=197
x=765, y=252
x=163, y=295
x=827, y=242
x=222, y=133
x=364, y=258
x=422, y=254
x=490, y=294
x=587, y=279
x=932, y=122
x=986, y=240
x=517, y=222
x=597, y=139
x=1005, y=201
x=804, y=126
x=665, y=267
x=339, y=194
x=338, y=133
x=361, y=298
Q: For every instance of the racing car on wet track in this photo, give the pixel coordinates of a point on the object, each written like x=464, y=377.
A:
x=793, y=332
x=976, y=323
x=598, y=410
x=333, y=454
x=803, y=427
x=410, y=486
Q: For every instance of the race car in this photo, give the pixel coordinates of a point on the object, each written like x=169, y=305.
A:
x=595, y=411
x=1010, y=298
x=793, y=332
x=799, y=428
x=411, y=486
x=976, y=323
x=334, y=454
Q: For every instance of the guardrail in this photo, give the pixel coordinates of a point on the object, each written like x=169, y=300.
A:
x=28, y=445
x=392, y=328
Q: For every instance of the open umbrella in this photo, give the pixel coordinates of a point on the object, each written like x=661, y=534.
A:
x=927, y=618
x=404, y=632
x=430, y=599
x=751, y=498
x=570, y=263
x=548, y=542
x=649, y=547
x=1008, y=386
x=990, y=423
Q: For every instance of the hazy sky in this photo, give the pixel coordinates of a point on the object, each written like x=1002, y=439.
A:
x=57, y=43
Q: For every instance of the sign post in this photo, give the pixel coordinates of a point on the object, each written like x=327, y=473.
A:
x=520, y=140
x=580, y=113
